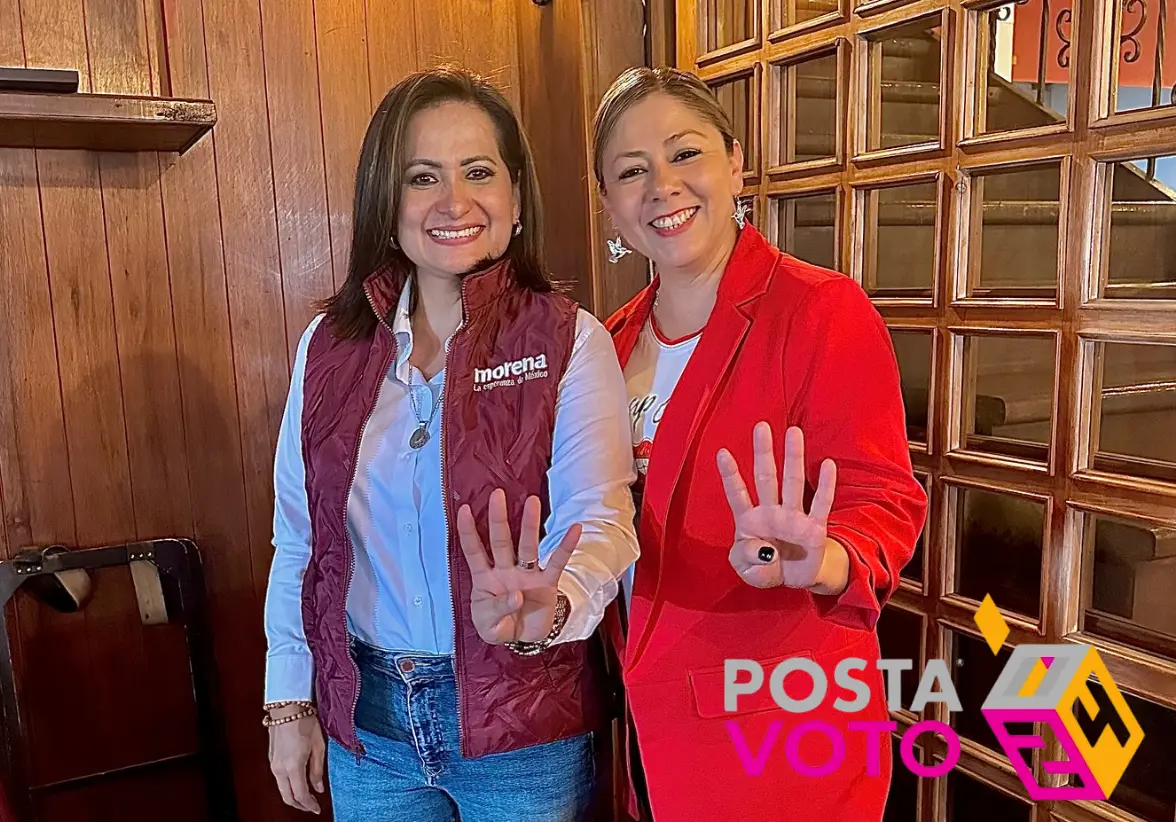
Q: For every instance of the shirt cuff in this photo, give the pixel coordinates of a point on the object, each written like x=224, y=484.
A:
x=289, y=677
x=582, y=616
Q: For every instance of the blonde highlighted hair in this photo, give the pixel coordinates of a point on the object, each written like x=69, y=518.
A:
x=634, y=85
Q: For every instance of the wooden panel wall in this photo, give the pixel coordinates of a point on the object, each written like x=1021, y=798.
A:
x=152, y=304
x=608, y=24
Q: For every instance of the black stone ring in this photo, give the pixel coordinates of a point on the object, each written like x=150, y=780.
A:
x=767, y=553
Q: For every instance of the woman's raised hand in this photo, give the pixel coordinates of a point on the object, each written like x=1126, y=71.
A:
x=513, y=599
x=776, y=542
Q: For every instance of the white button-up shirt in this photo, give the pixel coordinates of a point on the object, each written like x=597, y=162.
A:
x=399, y=598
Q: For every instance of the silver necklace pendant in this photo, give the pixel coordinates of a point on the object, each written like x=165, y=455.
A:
x=419, y=437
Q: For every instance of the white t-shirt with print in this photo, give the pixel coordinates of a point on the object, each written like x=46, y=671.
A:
x=651, y=375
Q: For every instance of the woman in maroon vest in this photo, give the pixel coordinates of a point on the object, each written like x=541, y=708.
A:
x=446, y=388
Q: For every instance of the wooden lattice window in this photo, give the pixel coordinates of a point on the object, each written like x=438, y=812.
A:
x=1000, y=177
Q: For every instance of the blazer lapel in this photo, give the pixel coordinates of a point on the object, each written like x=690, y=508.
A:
x=691, y=403
x=745, y=278
x=626, y=325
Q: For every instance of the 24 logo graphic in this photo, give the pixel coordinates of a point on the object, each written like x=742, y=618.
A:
x=1051, y=684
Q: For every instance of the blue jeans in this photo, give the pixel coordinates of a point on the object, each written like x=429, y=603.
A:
x=413, y=769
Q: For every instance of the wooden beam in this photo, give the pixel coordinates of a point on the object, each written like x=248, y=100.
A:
x=661, y=49
x=612, y=40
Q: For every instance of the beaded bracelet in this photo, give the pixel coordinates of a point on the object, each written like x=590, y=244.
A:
x=269, y=722
x=272, y=706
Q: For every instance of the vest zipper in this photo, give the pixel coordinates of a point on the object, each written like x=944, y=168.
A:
x=458, y=661
x=360, y=750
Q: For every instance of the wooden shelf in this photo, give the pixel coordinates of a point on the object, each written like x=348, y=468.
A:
x=102, y=122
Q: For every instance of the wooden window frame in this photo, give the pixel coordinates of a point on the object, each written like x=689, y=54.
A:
x=875, y=7
x=964, y=607
x=702, y=22
x=1108, y=26
x=924, y=448
x=753, y=156
x=1093, y=287
x=867, y=62
x=974, y=97
x=904, y=716
x=994, y=761
x=992, y=774
x=1164, y=648
x=774, y=140
x=1090, y=385
x=968, y=229
x=959, y=407
x=778, y=32
x=860, y=265
x=1086, y=143
x=773, y=205
x=921, y=588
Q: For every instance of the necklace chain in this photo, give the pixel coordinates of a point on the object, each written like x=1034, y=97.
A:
x=416, y=410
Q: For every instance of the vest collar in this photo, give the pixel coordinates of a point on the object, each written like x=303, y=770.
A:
x=478, y=290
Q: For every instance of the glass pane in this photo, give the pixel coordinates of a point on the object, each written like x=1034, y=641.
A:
x=786, y=13
x=970, y=800
x=1148, y=787
x=1018, y=232
x=1025, y=67
x=999, y=540
x=806, y=227
x=727, y=22
x=736, y=96
x=913, y=570
x=1136, y=410
x=913, y=350
x=903, y=802
x=900, y=635
x=1133, y=573
x=1147, y=61
x=808, y=110
x=899, y=226
x=1141, y=257
x=975, y=671
x=904, y=86
x=1009, y=384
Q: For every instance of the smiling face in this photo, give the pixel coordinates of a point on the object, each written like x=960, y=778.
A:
x=458, y=205
x=670, y=185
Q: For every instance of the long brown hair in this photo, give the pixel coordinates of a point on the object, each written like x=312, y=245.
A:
x=379, y=180
x=634, y=85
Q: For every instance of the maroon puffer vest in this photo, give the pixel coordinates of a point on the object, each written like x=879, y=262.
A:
x=502, y=374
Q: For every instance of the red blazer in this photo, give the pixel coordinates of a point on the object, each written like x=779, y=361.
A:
x=792, y=344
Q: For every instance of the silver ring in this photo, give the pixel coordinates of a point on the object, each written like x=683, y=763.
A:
x=528, y=564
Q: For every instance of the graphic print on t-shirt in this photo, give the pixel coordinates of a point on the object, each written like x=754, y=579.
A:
x=651, y=375
x=645, y=412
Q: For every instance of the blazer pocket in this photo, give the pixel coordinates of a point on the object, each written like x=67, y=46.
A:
x=707, y=685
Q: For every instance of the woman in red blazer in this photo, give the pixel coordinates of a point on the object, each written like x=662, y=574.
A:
x=777, y=502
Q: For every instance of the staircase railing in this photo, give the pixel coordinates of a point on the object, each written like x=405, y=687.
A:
x=1134, y=18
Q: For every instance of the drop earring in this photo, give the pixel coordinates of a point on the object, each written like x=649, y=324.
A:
x=742, y=209
x=518, y=227
x=617, y=250
x=392, y=242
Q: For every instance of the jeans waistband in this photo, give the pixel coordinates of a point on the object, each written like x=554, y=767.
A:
x=405, y=665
